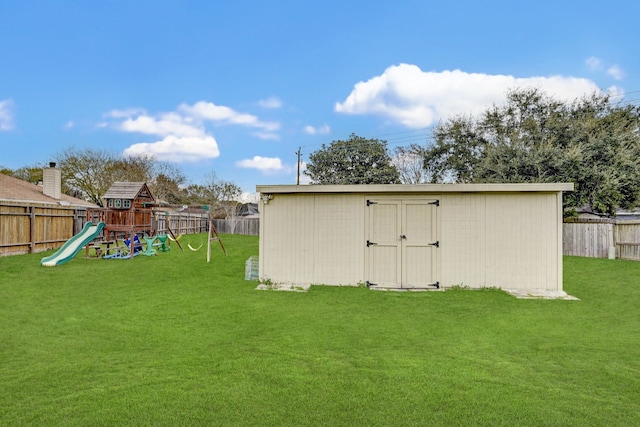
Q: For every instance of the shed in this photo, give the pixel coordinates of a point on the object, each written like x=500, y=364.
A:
x=413, y=236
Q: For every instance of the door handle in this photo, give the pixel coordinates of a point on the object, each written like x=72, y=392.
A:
x=403, y=237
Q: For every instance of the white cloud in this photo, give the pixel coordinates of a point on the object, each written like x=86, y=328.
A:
x=321, y=130
x=225, y=115
x=182, y=134
x=6, y=115
x=177, y=148
x=183, y=138
x=264, y=164
x=596, y=64
x=415, y=98
x=166, y=124
x=270, y=103
x=615, y=72
x=266, y=135
x=119, y=114
x=615, y=92
x=593, y=63
x=304, y=178
x=249, y=197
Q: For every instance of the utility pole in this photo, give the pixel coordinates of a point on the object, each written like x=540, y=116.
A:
x=299, y=152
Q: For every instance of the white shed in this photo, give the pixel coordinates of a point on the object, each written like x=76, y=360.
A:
x=413, y=236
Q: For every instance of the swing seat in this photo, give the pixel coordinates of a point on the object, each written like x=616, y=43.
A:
x=194, y=249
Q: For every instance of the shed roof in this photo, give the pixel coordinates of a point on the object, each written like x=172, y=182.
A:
x=126, y=190
x=416, y=188
x=17, y=190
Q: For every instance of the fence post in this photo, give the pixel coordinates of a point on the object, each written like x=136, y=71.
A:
x=612, y=242
x=32, y=229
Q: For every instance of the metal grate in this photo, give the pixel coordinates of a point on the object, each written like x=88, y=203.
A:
x=251, y=269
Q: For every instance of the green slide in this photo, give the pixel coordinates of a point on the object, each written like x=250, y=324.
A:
x=72, y=246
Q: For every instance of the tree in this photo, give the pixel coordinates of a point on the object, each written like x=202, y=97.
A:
x=32, y=174
x=167, y=182
x=196, y=194
x=166, y=189
x=409, y=161
x=133, y=169
x=89, y=173
x=223, y=195
x=533, y=138
x=354, y=161
x=86, y=173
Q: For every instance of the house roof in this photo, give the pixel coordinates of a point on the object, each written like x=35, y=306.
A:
x=17, y=190
x=127, y=190
x=248, y=210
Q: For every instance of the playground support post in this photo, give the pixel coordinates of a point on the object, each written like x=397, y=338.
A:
x=213, y=231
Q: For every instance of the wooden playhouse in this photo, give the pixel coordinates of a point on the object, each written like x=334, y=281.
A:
x=128, y=212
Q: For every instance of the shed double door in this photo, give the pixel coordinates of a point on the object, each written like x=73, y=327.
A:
x=402, y=243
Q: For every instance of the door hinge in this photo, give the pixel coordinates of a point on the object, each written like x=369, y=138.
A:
x=369, y=284
x=369, y=203
x=370, y=243
x=437, y=285
x=437, y=203
x=436, y=244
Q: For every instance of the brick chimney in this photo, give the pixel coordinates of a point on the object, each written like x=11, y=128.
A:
x=52, y=181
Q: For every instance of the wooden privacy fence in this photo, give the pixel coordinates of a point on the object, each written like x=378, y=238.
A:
x=602, y=240
x=180, y=222
x=151, y=220
x=627, y=240
x=30, y=228
x=26, y=228
x=248, y=226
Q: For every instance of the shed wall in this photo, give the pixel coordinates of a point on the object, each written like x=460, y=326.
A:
x=501, y=240
x=505, y=240
x=312, y=238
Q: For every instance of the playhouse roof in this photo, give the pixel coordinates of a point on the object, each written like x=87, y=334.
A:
x=128, y=190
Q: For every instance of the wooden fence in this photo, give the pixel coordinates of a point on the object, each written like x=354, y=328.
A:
x=627, y=240
x=181, y=223
x=579, y=239
x=31, y=228
x=602, y=240
x=248, y=226
x=26, y=228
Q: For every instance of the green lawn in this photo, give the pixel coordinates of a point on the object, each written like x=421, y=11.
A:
x=171, y=340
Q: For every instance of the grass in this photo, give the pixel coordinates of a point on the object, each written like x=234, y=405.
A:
x=171, y=340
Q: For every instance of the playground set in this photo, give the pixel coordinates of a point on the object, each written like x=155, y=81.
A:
x=130, y=212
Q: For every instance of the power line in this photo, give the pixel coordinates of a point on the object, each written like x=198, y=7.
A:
x=391, y=141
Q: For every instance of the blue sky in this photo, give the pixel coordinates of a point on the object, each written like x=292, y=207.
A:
x=236, y=87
